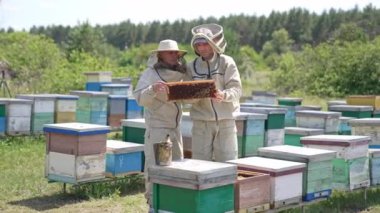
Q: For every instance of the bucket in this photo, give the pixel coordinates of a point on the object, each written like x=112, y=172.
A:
x=163, y=152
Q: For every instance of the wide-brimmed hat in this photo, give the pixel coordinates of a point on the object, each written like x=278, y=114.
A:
x=169, y=45
x=212, y=33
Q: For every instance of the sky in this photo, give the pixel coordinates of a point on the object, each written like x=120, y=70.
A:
x=23, y=14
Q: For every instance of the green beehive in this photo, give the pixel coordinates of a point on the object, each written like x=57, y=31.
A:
x=250, y=132
x=193, y=186
x=133, y=130
x=355, y=111
x=293, y=134
x=274, y=124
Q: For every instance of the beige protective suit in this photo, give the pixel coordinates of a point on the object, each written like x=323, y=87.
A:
x=161, y=117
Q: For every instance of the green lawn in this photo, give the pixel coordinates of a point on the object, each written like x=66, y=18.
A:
x=23, y=187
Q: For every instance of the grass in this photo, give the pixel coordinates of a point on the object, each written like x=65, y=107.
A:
x=23, y=187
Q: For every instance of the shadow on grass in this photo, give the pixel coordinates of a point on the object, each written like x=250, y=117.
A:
x=122, y=186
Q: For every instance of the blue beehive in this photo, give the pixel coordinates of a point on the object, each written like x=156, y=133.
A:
x=123, y=157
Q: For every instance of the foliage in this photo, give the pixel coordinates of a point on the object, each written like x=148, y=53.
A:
x=331, y=70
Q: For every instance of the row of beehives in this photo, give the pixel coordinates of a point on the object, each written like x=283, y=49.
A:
x=26, y=114
x=312, y=174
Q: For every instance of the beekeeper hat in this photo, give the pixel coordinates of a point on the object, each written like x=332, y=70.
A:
x=212, y=33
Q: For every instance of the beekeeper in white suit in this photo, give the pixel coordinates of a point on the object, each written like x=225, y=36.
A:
x=162, y=117
x=214, y=130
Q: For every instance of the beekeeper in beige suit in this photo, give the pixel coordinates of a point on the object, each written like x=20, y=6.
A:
x=162, y=118
x=214, y=129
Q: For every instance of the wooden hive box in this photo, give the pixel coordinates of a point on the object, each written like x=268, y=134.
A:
x=116, y=110
x=43, y=108
x=376, y=114
x=264, y=97
x=250, y=132
x=366, y=100
x=252, y=191
x=115, y=89
x=284, y=175
x=134, y=130
x=76, y=138
x=290, y=104
x=329, y=121
x=350, y=168
x=19, y=116
x=74, y=169
x=293, y=134
x=274, y=124
x=193, y=186
x=344, y=126
x=133, y=110
x=374, y=166
x=367, y=127
x=308, y=107
x=318, y=174
x=65, y=108
x=191, y=89
x=102, y=76
x=91, y=107
x=355, y=111
x=335, y=102
x=123, y=158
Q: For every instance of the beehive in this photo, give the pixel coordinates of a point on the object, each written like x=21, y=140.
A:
x=133, y=110
x=94, y=80
x=133, y=130
x=43, y=109
x=328, y=121
x=264, y=97
x=344, y=126
x=65, y=108
x=293, y=134
x=374, y=166
x=193, y=186
x=116, y=110
x=284, y=175
x=366, y=100
x=250, y=132
x=91, y=107
x=123, y=158
x=355, y=111
x=274, y=124
x=19, y=115
x=368, y=127
x=252, y=191
x=350, y=168
x=317, y=176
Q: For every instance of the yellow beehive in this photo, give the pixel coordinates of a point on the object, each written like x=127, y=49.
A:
x=367, y=100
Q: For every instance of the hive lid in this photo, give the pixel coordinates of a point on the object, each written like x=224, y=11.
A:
x=336, y=140
x=135, y=122
x=117, y=147
x=323, y=114
x=350, y=108
x=270, y=165
x=365, y=122
x=307, y=107
x=15, y=101
x=119, y=97
x=98, y=73
x=289, y=99
x=88, y=93
x=192, y=173
x=303, y=131
x=76, y=128
x=263, y=110
x=302, y=154
x=37, y=96
x=249, y=116
x=66, y=97
x=264, y=93
x=374, y=153
x=114, y=85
